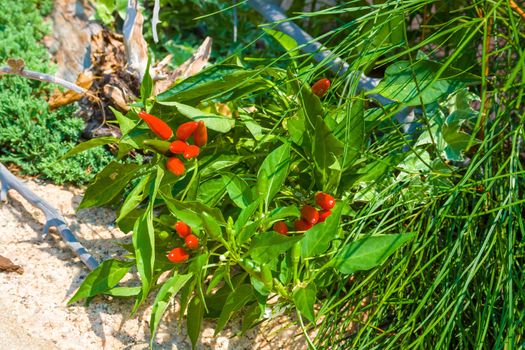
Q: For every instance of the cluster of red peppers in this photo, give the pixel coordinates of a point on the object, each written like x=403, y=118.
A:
x=180, y=146
x=179, y=254
x=309, y=215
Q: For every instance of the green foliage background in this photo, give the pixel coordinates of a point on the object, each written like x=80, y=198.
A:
x=31, y=136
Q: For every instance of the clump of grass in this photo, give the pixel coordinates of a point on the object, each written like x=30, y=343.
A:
x=459, y=284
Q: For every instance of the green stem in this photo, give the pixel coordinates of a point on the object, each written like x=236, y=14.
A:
x=192, y=180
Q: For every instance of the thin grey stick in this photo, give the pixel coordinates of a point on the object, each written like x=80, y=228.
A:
x=53, y=217
x=42, y=77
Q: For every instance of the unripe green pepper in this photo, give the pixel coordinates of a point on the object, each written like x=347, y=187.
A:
x=158, y=146
x=163, y=235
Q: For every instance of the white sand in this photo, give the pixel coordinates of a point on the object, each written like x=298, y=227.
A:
x=34, y=312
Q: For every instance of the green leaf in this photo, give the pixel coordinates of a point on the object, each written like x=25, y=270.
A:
x=269, y=245
x=281, y=213
x=194, y=319
x=125, y=124
x=423, y=82
x=211, y=165
x=275, y=169
x=147, y=84
x=225, y=81
x=235, y=301
x=144, y=242
x=325, y=150
x=317, y=239
x=238, y=190
x=304, y=299
x=104, y=10
x=123, y=291
x=217, y=277
x=108, y=184
x=165, y=295
x=211, y=226
x=84, y=146
x=297, y=129
x=190, y=212
x=251, y=316
x=134, y=198
x=368, y=252
x=211, y=192
x=457, y=142
x=199, y=269
x=286, y=41
x=373, y=170
x=102, y=279
x=245, y=216
x=144, y=245
x=351, y=132
x=213, y=121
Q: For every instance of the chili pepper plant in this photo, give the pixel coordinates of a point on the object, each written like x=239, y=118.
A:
x=260, y=208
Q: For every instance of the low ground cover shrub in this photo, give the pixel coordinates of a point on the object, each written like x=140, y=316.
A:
x=32, y=137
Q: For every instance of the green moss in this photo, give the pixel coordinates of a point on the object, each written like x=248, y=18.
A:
x=31, y=136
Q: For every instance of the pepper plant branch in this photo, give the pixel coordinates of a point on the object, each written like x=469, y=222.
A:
x=53, y=217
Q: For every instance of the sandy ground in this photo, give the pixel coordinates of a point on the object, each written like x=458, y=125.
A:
x=33, y=307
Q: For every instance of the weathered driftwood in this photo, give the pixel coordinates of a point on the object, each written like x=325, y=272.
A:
x=134, y=43
x=53, y=217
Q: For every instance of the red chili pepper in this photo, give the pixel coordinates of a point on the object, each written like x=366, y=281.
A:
x=324, y=200
x=183, y=230
x=321, y=87
x=157, y=125
x=280, y=227
x=301, y=225
x=309, y=214
x=323, y=214
x=176, y=166
x=191, y=151
x=178, y=255
x=192, y=241
x=184, y=131
x=201, y=134
x=178, y=147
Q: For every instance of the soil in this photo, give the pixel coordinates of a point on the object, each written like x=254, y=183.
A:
x=34, y=307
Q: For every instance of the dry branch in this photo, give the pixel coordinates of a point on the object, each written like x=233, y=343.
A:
x=16, y=67
x=135, y=46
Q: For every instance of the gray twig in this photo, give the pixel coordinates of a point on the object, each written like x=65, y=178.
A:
x=42, y=77
x=53, y=217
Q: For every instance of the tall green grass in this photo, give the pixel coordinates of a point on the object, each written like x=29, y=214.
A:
x=460, y=283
